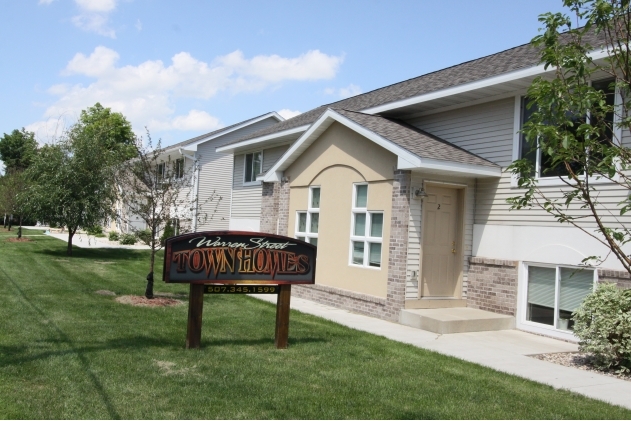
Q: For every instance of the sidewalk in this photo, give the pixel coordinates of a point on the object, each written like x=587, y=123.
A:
x=87, y=241
x=505, y=350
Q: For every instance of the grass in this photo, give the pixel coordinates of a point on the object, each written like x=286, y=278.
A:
x=66, y=352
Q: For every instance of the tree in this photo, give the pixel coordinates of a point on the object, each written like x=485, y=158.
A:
x=18, y=149
x=161, y=193
x=73, y=183
x=112, y=129
x=12, y=185
x=575, y=123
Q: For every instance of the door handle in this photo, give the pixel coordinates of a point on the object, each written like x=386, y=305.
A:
x=453, y=247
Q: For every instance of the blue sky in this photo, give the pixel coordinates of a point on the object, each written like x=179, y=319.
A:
x=188, y=67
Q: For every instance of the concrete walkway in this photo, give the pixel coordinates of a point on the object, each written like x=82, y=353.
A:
x=86, y=241
x=506, y=350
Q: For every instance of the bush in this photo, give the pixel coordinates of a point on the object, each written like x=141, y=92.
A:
x=144, y=236
x=169, y=231
x=95, y=230
x=113, y=236
x=603, y=325
x=127, y=239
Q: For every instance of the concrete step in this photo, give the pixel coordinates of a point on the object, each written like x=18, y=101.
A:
x=455, y=320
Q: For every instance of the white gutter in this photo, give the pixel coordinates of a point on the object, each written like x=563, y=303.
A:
x=256, y=140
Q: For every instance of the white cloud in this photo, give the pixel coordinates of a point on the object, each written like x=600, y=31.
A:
x=94, y=16
x=147, y=93
x=287, y=113
x=96, y=5
x=347, y=92
x=46, y=2
x=194, y=120
x=138, y=25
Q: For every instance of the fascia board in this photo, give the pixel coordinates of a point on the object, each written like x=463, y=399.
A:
x=193, y=146
x=457, y=167
x=315, y=130
x=257, y=140
x=472, y=86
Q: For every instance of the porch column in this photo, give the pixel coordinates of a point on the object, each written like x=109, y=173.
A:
x=398, y=244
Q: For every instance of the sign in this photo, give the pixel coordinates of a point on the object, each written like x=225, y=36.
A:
x=237, y=262
x=234, y=257
x=241, y=289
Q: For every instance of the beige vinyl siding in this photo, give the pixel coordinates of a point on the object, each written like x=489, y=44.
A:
x=485, y=129
x=214, y=187
x=246, y=200
x=414, y=231
x=491, y=207
x=215, y=177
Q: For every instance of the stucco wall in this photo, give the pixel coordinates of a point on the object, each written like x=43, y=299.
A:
x=336, y=160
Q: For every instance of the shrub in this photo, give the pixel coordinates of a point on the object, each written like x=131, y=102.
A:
x=113, y=236
x=169, y=231
x=95, y=230
x=127, y=239
x=603, y=325
x=144, y=236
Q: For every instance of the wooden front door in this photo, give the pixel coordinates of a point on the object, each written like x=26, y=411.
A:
x=441, y=242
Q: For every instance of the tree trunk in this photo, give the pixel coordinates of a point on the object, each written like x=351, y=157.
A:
x=10, y=220
x=70, y=235
x=5, y=220
x=20, y=228
x=149, y=289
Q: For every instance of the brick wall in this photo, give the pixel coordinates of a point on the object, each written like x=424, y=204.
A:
x=398, y=245
x=492, y=285
x=339, y=298
x=621, y=278
x=269, y=207
x=283, y=207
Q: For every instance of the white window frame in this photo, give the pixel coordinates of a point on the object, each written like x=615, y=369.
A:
x=553, y=180
x=176, y=168
x=366, y=238
x=522, y=309
x=245, y=161
x=310, y=211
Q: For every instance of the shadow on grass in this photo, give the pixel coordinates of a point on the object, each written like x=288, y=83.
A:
x=260, y=341
x=101, y=253
x=15, y=354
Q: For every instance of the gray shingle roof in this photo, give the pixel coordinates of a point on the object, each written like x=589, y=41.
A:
x=523, y=56
x=417, y=141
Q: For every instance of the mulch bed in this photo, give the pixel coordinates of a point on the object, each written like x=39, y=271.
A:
x=18, y=240
x=141, y=301
x=578, y=360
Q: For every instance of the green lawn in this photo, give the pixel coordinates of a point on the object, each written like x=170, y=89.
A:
x=66, y=352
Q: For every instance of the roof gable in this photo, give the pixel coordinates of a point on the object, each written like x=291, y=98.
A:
x=414, y=148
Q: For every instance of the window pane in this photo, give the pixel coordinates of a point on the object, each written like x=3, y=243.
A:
x=361, y=196
x=574, y=286
x=360, y=224
x=376, y=224
x=314, y=241
x=541, y=286
x=248, y=167
x=256, y=165
x=358, y=252
x=315, y=198
x=315, y=219
x=374, y=259
x=301, y=238
x=302, y=222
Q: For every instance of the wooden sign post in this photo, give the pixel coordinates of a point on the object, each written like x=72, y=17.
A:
x=229, y=262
